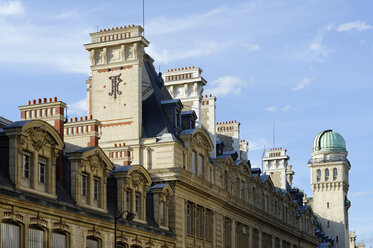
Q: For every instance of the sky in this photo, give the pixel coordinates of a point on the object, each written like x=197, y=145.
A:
x=303, y=66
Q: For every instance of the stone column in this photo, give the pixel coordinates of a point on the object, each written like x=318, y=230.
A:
x=260, y=239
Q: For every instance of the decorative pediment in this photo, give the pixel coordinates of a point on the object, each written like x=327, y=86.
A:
x=92, y=158
x=202, y=138
x=39, y=137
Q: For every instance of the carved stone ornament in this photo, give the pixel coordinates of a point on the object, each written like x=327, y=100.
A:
x=200, y=139
x=95, y=161
x=39, y=137
x=137, y=179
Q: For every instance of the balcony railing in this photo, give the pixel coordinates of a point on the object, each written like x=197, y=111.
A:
x=324, y=160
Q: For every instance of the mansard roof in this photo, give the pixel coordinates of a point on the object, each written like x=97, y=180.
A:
x=154, y=120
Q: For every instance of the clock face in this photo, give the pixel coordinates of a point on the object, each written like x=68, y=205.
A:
x=115, y=81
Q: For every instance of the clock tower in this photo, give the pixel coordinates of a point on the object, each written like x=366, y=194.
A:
x=114, y=89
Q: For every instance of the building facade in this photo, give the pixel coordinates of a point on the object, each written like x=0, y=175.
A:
x=150, y=146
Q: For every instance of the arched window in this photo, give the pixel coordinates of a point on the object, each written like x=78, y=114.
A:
x=318, y=175
x=35, y=237
x=10, y=235
x=59, y=239
x=122, y=245
x=326, y=174
x=335, y=173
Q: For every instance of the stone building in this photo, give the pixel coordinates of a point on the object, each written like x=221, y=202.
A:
x=149, y=148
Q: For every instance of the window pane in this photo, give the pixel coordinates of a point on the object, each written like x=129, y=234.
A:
x=128, y=199
x=200, y=166
x=161, y=214
x=58, y=240
x=35, y=238
x=193, y=162
x=91, y=243
x=41, y=172
x=84, y=185
x=10, y=237
x=26, y=166
x=96, y=188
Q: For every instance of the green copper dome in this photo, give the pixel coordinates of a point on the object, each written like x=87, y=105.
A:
x=329, y=141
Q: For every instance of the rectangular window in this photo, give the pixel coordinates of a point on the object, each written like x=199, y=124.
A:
x=128, y=199
x=189, y=218
x=198, y=221
x=200, y=166
x=138, y=205
x=26, y=166
x=35, y=238
x=96, y=189
x=242, y=194
x=208, y=225
x=162, y=218
x=84, y=185
x=10, y=235
x=41, y=172
x=59, y=240
x=227, y=232
x=194, y=162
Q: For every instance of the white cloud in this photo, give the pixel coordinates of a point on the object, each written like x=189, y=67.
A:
x=251, y=47
x=356, y=25
x=164, y=25
x=11, y=8
x=274, y=109
x=286, y=108
x=302, y=84
x=200, y=49
x=228, y=85
x=271, y=109
x=78, y=108
x=258, y=144
x=51, y=49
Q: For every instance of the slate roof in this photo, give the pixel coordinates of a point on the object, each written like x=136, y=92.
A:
x=154, y=120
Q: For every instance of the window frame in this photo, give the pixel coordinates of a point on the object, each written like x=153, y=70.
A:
x=20, y=233
x=24, y=169
x=84, y=185
x=42, y=169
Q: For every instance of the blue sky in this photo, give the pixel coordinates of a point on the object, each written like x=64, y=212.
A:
x=304, y=65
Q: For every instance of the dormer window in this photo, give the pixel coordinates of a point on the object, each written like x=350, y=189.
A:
x=37, y=145
x=132, y=186
x=26, y=165
x=89, y=172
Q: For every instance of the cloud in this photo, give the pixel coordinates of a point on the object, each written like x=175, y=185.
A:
x=78, y=108
x=271, y=109
x=251, y=47
x=228, y=85
x=53, y=48
x=258, y=144
x=361, y=193
x=286, y=108
x=166, y=56
x=164, y=25
x=8, y=8
x=274, y=109
x=356, y=25
x=302, y=84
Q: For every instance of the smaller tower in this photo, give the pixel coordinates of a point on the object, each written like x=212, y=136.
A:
x=329, y=181
x=275, y=162
x=186, y=84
